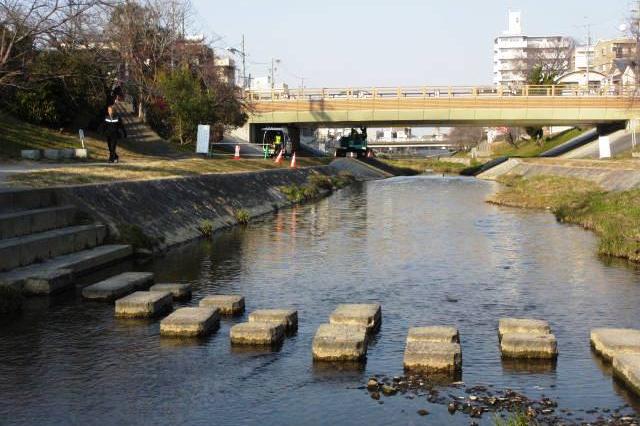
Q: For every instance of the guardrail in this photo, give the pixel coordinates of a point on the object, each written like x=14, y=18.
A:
x=447, y=92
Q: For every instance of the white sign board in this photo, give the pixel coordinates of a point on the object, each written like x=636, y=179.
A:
x=202, y=145
x=604, y=146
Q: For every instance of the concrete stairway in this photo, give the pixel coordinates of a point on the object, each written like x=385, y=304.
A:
x=43, y=247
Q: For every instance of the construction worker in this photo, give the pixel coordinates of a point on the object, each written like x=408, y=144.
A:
x=277, y=144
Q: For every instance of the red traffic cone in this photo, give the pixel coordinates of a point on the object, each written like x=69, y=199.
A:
x=279, y=157
x=293, y=161
x=236, y=156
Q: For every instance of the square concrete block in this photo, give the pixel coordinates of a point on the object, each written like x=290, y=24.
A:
x=257, y=333
x=190, y=322
x=118, y=286
x=144, y=304
x=528, y=345
x=67, y=153
x=229, y=304
x=609, y=342
x=363, y=315
x=52, y=154
x=522, y=325
x=31, y=154
x=438, y=333
x=433, y=357
x=80, y=153
x=626, y=367
x=179, y=291
x=337, y=342
x=287, y=317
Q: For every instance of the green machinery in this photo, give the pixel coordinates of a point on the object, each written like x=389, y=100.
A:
x=355, y=144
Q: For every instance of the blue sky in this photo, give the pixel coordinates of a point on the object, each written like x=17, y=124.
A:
x=336, y=43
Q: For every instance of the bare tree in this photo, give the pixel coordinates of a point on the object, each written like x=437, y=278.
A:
x=546, y=60
x=466, y=137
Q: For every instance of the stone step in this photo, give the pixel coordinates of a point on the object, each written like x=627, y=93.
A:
x=190, y=322
x=433, y=357
x=144, y=304
x=335, y=342
x=626, y=367
x=79, y=263
x=28, y=222
x=118, y=286
x=367, y=315
x=25, y=250
x=13, y=200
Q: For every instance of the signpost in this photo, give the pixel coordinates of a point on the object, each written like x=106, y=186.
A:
x=604, y=145
x=202, y=145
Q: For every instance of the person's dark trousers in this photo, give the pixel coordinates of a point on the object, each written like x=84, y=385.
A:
x=112, y=143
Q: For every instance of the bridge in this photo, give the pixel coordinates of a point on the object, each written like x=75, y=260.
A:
x=447, y=105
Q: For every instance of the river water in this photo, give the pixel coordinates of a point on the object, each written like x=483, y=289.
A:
x=427, y=248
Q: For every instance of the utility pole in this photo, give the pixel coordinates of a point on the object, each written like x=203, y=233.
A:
x=588, y=54
x=244, y=65
x=272, y=72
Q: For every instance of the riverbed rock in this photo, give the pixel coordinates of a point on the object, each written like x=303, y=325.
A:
x=529, y=346
x=143, y=304
x=445, y=334
x=257, y=333
x=190, y=322
x=368, y=315
x=609, y=342
x=180, y=291
x=432, y=357
x=338, y=342
x=287, y=317
x=229, y=304
x=626, y=367
x=522, y=325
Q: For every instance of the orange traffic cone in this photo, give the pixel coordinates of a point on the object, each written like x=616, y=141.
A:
x=279, y=157
x=236, y=156
x=293, y=161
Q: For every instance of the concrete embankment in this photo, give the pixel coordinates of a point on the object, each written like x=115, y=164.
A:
x=610, y=175
x=172, y=210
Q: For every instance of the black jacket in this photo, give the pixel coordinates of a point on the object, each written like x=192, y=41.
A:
x=112, y=127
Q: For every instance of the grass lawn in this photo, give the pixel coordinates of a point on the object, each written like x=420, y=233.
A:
x=613, y=216
x=531, y=148
x=422, y=165
x=144, y=170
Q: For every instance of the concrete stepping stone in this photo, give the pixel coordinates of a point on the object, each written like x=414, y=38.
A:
x=49, y=282
x=609, y=342
x=257, y=333
x=433, y=357
x=180, y=291
x=190, y=322
x=229, y=304
x=626, y=367
x=529, y=346
x=144, y=304
x=368, y=315
x=287, y=317
x=118, y=286
x=522, y=325
x=438, y=333
x=339, y=342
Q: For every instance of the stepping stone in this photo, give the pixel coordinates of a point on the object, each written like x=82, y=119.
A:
x=118, y=286
x=178, y=290
x=257, y=333
x=337, y=342
x=626, y=367
x=287, y=317
x=190, y=322
x=229, y=304
x=528, y=345
x=443, y=334
x=49, y=282
x=522, y=325
x=609, y=342
x=362, y=315
x=144, y=304
x=433, y=357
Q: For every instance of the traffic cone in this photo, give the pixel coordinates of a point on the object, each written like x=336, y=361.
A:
x=279, y=157
x=293, y=161
x=236, y=156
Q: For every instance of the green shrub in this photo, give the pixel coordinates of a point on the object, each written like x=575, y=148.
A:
x=206, y=228
x=518, y=418
x=321, y=181
x=11, y=300
x=134, y=235
x=242, y=216
x=343, y=179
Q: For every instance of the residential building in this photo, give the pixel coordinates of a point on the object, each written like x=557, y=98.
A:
x=226, y=69
x=514, y=53
x=607, y=51
x=583, y=58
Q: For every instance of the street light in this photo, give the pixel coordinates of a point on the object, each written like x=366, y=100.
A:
x=243, y=54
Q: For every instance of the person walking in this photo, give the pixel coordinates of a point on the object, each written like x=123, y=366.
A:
x=113, y=127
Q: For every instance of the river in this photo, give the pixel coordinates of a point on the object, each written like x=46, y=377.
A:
x=427, y=248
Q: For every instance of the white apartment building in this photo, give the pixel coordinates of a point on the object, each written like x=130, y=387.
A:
x=514, y=52
x=583, y=58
